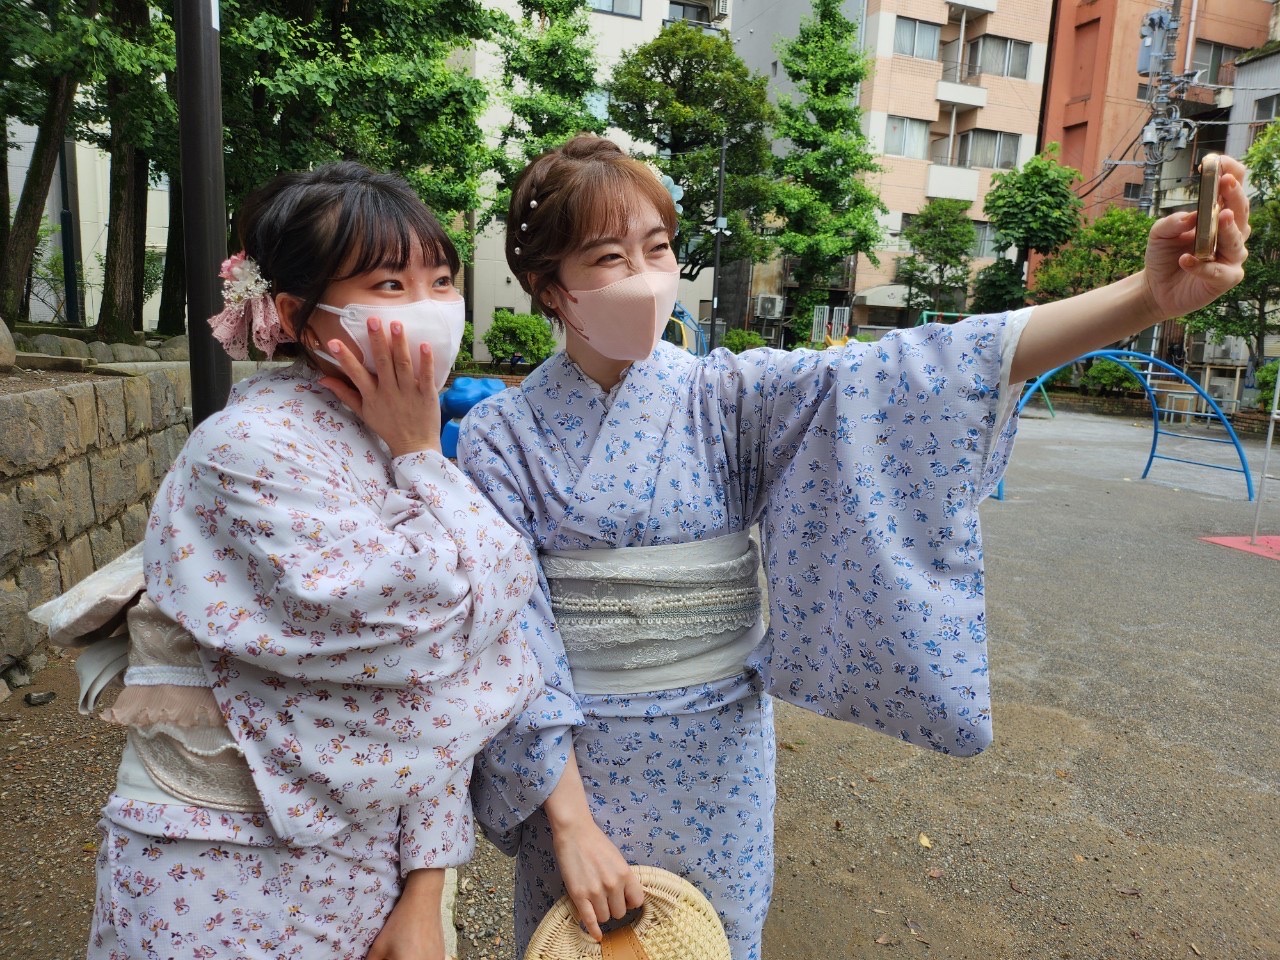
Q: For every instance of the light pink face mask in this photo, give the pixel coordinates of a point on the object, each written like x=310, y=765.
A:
x=624, y=320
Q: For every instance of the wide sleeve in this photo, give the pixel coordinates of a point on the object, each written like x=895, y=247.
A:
x=439, y=832
x=353, y=615
x=522, y=764
x=864, y=467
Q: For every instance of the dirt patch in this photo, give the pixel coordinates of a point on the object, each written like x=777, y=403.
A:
x=20, y=381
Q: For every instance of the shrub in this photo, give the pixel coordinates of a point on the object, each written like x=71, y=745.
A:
x=735, y=340
x=526, y=335
x=1107, y=375
x=1265, y=378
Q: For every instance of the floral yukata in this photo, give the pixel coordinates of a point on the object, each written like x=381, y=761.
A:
x=353, y=614
x=863, y=467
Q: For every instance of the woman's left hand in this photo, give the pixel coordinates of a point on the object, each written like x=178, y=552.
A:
x=1177, y=282
x=400, y=406
x=415, y=928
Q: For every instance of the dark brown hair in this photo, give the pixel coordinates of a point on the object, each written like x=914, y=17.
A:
x=307, y=230
x=570, y=197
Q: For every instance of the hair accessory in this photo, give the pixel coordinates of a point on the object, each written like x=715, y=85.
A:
x=516, y=250
x=675, y=923
x=533, y=204
x=248, y=310
x=524, y=227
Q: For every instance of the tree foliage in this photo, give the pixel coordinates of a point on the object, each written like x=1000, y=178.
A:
x=524, y=335
x=1034, y=208
x=549, y=69
x=936, y=272
x=681, y=92
x=998, y=286
x=1110, y=248
x=828, y=209
x=736, y=339
x=1250, y=311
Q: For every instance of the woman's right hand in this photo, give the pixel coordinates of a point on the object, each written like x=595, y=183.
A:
x=401, y=407
x=597, y=878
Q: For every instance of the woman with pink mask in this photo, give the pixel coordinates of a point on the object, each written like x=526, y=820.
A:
x=636, y=470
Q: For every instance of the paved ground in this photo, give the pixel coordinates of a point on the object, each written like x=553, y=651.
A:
x=1130, y=807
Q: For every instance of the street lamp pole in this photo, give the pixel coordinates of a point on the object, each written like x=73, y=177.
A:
x=719, y=232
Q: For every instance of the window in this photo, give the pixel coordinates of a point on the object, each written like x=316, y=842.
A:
x=623, y=8
x=693, y=12
x=1211, y=57
x=985, y=243
x=1265, y=109
x=905, y=137
x=999, y=56
x=1132, y=192
x=915, y=38
x=989, y=148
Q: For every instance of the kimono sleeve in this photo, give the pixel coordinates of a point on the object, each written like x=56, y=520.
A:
x=866, y=475
x=439, y=832
x=522, y=764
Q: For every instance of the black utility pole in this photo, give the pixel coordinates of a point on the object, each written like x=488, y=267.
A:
x=1165, y=133
x=69, y=233
x=204, y=204
x=719, y=232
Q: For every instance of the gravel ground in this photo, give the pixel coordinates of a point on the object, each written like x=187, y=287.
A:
x=1129, y=809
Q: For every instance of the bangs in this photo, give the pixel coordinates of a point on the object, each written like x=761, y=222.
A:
x=610, y=201
x=382, y=231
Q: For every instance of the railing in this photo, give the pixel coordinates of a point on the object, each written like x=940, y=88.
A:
x=960, y=71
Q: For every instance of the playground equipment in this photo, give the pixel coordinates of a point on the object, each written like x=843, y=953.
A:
x=938, y=316
x=461, y=395
x=686, y=332
x=1162, y=415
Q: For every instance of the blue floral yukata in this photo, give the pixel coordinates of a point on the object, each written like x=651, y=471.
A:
x=863, y=467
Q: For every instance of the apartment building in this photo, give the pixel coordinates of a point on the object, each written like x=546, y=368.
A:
x=1097, y=103
x=954, y=97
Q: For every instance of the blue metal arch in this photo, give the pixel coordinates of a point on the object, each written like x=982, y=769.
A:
x=1123, y=357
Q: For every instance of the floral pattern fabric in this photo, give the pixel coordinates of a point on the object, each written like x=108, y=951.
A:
x=863, y=467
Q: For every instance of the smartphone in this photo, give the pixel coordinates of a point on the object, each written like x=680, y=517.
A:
x=1207, y=212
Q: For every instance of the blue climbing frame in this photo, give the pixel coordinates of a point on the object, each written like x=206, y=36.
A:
x=1127, y=359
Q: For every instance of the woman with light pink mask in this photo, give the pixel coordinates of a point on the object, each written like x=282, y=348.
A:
x=636, y=471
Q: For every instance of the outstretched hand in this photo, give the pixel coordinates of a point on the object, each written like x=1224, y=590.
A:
x=1176, y=281
x=400, y=406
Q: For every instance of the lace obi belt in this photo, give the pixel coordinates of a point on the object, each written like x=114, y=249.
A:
x=639, y=619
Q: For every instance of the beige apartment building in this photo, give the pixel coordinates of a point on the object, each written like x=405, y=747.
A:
x=954, y=97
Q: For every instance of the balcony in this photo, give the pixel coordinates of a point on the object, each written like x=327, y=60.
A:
x=839, y=278
x=975, y=8
x=951, y=183
x=961, y=84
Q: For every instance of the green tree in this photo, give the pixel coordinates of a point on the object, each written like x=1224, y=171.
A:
x=1034, y=209
x=998, y=286
x=1250, y=310
x=549, y=70
x=829, y=211
x=1108, y=249
x=682, y=92
x=307, y=83
x=49, y=49
x=936, y=272
x=524, y=335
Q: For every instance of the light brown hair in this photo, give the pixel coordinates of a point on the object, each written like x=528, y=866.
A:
x=570, y=197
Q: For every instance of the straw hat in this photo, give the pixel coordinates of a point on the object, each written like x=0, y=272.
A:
x=675, y=923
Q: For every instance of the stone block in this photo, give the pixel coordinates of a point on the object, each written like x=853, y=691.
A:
x=10, y=520
x=8, y=349
x=13, y=619
x=133, y=522
x=120, y=477
x=137, y=405
x=80, y=412
x=132, y=353
x=4, y=687
x=78, y=513
x=165, y=408
x=47, y=343
x=106, y=543
x=33, y=432
x=22, y=342
x=40, y=580
x=71, y=347
x=101, y=352
x=41, y=502
x=111, y=422
x=75, y=560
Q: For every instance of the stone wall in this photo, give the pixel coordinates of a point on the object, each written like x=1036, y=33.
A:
x=79, y=465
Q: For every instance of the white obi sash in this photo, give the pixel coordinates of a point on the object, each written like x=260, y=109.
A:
x=639, y=619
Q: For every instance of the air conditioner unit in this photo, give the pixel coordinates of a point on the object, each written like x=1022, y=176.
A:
x=768, y=306
x=722, y=10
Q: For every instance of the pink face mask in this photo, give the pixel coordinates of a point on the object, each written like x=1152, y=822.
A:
x=624, y=320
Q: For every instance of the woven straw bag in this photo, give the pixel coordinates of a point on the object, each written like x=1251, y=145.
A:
x=675, y=923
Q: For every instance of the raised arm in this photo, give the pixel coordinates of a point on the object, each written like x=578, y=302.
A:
x=1172, y=284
